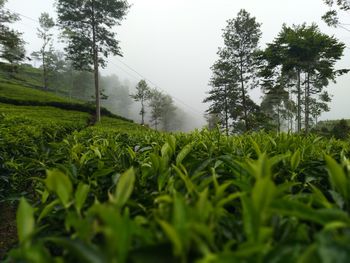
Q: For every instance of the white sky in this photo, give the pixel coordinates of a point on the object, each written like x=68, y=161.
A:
x=173, y=43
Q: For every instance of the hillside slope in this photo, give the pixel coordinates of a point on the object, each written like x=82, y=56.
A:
x=21, y=94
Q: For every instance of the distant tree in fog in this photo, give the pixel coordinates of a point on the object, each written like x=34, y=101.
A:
x=143, y=94
x=156, y=105
x=168, y=118
x=46, y=52
x=118, y=99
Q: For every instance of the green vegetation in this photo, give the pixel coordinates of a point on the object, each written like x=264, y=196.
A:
x=120, y=192
x=111, y=196
x=74, y=188
x=292, y=72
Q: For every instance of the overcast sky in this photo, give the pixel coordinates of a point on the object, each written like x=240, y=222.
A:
x=173, y=43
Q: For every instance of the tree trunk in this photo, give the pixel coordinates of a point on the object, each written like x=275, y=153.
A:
x=298, y=102
x=97, y=86
x=44, y=71
x=307, y=103
x=278, y=120
x=244, y=102
x=226, y=111
x=96, y=68
x=142, y=112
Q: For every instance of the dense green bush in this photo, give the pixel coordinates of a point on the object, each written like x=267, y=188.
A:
x=27, y=146
x=144, y=196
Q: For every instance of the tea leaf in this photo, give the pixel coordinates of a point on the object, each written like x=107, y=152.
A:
x=295, y=160
x=81, y=195
x=183, y=153
x=337, y=177
x=173, y=237
x=125, y=186
x=59, y=183
x=25, y=220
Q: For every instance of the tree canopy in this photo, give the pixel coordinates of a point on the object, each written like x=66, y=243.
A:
x=88, y=27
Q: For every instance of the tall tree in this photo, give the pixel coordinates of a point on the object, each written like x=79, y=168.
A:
x=143, y=94
x=223, y=95
x=241, y=38
x=46, y=53
x=238, y=65
x=156, y=104
x=11, y=43
x=88, y=25
x=311, y=56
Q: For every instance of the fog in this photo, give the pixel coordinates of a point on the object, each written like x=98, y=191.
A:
x=173, y=43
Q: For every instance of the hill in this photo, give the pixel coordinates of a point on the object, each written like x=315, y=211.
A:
x=23, y=89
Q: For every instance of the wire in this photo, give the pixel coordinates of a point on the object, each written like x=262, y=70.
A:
x=157, y=86
x=133, y=70
x=131, y=75
x=140, y=76
x=346, y=29
x=27, y=17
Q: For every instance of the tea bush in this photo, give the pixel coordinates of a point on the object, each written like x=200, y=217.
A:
x=110, y=195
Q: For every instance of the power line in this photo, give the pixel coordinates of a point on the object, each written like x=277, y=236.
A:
x=27, y=17
x=157, y=86
x=343, y=27
x=133, y=70
x=131, y=75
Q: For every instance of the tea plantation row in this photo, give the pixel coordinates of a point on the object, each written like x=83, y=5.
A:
x=102, y=194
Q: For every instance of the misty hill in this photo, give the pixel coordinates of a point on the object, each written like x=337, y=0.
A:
x=21, y=96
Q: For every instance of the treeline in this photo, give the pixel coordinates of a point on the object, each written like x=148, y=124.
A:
x=68, y=73
x=292, y=72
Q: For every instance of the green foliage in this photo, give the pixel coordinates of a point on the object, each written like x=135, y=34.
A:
x=87, y=26
x=88, y=29
x=300, y=50
x=112, y=196
x=143, y=94
x=341, y=130
x=11, y=43
x=235, y=73
x=331, y=16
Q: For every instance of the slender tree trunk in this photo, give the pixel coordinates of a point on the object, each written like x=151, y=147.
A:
x=244, y=102
x=298, y=101
x=142, y=112
x=278, y=120
x=307, y=103
x=96, y=68
x=97, y=86
x=44, y=71
x=226, y=111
